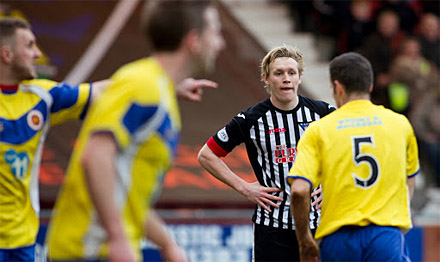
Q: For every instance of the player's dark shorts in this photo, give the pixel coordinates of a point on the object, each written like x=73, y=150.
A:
x=18, y=254
x=369, y=243
x=274, y=244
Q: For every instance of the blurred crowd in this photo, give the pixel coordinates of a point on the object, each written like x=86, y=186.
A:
x=401, y=38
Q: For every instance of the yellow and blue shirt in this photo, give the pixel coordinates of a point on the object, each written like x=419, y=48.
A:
x=140, y=110
x=362, y=154
x=26, y=113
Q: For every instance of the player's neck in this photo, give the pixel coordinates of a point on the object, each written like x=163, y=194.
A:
x=6, y=77
x=175, y=64
x=356, y=96
x=284, y=105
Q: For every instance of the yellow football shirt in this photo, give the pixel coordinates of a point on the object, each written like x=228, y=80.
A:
x=362, y=154
x=26, y=114
x=140, y=110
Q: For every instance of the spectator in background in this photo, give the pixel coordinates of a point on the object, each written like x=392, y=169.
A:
x=301, y=13
x=329, y=17
x=380, y=48
x=429, y=37
x=430, y=6
x=358, y=25
x=412, y=75
x=407, y=11
x=425, y=117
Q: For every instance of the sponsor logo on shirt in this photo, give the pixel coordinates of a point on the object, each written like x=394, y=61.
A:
x=35, y=119
x=223, y=135
x=277, y=130
x=19, y=162
x=358, y=122
x=283, y=154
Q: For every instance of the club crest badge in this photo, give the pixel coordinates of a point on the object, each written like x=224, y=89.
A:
x=35, y=120
x=304, y=125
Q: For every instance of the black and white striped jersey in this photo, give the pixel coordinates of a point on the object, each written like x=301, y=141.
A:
x=271, y=136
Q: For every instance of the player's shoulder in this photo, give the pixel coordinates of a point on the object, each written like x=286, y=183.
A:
x=319, y=106
x=139, y=69
x=392, y=116
x=141, y=78
x=256, y=111
x=247, y=118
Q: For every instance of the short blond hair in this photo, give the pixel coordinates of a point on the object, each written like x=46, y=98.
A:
x=281, y=51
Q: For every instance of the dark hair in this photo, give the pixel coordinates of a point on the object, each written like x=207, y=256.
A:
x=167, y=22
x=9, y=25
x=353, y=71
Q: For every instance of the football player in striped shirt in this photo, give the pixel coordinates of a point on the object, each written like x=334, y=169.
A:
x=366, y=158
x=270, y=130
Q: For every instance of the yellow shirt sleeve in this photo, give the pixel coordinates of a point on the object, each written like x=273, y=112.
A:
x=307, y=164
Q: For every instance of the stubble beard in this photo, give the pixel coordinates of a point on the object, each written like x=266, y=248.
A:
x=22, y=72
x=202, y=67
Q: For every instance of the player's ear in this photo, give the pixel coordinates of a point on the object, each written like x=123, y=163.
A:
x=339, y=88
x=264, y=77
x=192, y=41
x=6, y=54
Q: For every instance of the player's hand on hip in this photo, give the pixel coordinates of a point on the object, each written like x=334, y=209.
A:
x=318, y=202
x=120, y=250
x=262, y=195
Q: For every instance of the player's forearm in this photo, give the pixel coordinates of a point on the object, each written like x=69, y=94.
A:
x=300, y=202
x=156, y=232
x=411, y=185
x=216, y=167
x=100, y=175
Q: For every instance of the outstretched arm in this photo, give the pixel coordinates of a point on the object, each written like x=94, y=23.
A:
x=191, y=89
x=252, y=191
x=100, y=175
x=98, y=87
x=300, y=206
x=156, y=232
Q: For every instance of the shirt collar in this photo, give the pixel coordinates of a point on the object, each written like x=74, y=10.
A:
x=8, y=89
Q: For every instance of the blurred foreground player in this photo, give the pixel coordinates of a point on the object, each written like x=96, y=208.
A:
x=128, y=141
x=28, y=108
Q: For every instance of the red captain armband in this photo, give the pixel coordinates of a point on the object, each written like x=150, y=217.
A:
x=218, y=150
